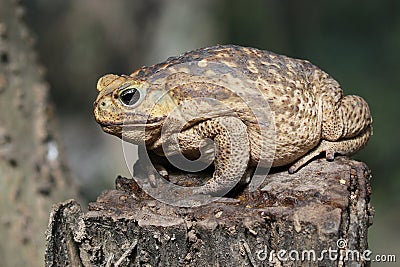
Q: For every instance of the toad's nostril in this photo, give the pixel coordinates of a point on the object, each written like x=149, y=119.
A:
x=103, y=104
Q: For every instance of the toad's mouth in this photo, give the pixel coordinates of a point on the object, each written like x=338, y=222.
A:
x=111, y=129
x=119, y=127
x=134, y=131
x=138, y=123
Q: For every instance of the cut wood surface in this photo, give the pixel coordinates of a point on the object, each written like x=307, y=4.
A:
x=325, y=206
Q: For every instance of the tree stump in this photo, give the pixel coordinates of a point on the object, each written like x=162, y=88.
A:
x=312, y=218
x=32, y=172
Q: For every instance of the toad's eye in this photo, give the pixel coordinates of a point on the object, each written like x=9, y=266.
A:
x=129, y=96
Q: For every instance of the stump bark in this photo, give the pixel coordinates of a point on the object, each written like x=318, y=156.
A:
x=293, y=220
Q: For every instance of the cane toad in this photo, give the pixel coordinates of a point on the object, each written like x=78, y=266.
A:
x=306, y=111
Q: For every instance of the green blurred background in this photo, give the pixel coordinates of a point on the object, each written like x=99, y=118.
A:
x=357, y=42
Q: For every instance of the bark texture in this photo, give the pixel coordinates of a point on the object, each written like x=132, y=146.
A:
x=310, y=210
x=31, y=175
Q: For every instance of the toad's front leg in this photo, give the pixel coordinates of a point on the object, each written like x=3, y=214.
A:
x=232, y=152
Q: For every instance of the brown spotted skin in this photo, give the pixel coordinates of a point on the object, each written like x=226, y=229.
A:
x=310, y=115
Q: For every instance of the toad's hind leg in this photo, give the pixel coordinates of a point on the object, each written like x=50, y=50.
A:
x=346, y=129
x=343, y=147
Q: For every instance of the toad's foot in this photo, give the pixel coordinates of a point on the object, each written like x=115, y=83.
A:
x=159, y=169
x=147, y=170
